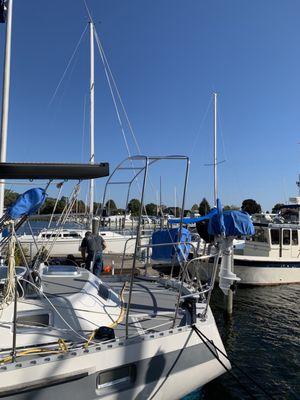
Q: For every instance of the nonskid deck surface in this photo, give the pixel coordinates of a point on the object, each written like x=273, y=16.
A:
x=152, y=307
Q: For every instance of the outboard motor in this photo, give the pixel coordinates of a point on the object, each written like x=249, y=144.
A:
x=226, y=226
x=227, y=277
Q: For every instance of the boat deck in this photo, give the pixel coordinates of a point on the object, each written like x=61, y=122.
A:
x=152, y=306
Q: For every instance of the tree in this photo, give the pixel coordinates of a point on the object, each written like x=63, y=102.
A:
x=134, y=207
x=80, y=206
x=277, y=207
x=195, y=208
x=10, y=197
x=48, y=206
x=60, y=205
x=251, y=206
x=204, y=207
x=151, y=209
x=110, y=205
x=231, y=207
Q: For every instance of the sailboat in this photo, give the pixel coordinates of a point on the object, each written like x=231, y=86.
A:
x=65, y=332
x=68, y=241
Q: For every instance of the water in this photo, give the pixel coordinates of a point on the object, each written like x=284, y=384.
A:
x=263, y=338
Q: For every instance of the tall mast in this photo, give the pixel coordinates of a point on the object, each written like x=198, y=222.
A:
x=160, y=200
x=92, y=92
x=215, y=150
x=175, y=200
x=5, y=97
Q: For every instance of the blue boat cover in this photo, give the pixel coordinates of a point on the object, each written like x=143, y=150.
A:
x=235, y=223
x=169, y=236
x=27, y=203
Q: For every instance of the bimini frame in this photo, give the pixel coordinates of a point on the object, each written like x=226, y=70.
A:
x=142, y=170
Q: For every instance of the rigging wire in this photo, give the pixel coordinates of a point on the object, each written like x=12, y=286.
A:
x=55, y=309
x=201, y=125
x=202, y=337
x=113, y=87
x=222, y=136
x=118, y=94
x=67, y=67
x=112, y=92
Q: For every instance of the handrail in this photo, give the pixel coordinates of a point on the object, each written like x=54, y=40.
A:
x=216, y=257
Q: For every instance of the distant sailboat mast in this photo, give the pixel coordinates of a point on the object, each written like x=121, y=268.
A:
x=215, y=150
x=5, y=95
x=92, y=114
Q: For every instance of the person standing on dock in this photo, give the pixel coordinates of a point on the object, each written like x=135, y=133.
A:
x=92, y=247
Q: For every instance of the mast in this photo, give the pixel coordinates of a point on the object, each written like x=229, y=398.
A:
x=175, y=200
x=5, y=97
x=215, y=150
x=92, y=119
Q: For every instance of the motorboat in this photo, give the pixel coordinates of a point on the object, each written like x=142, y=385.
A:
x=270, y=256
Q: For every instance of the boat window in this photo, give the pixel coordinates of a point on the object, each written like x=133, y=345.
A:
x=33, y=320
x=259, y=235
x=294, y=237
x=72, y=235
x=275, y=236
x=47, y=235
x=286, y=237
x=117, y=376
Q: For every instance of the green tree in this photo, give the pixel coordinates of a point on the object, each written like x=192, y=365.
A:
x=10, y=197
x=151, y=209
x=134, y=206
x=195, y=208
x=204, y=207
x=80, y=206
x=110, y=205
x=251, y=206
x=277, y=207
x=60, y=205
x=231, y=207
x=48, y=206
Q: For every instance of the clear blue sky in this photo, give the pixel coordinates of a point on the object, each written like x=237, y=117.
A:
x=168, y=57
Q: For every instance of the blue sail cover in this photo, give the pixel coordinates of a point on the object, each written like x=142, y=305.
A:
x=235, y=223
x=213, y=211
x=168, y=237
x=27, y=203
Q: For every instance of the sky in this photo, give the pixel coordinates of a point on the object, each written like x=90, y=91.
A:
x=167, y=57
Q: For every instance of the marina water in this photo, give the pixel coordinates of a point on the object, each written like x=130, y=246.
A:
x=263, y=338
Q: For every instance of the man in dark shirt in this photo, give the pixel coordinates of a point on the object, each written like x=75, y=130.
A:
x=93, y=246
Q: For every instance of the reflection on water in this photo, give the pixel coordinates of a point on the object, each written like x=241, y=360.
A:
x=263, y=338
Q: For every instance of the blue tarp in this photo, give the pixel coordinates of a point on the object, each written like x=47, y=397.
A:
x=27, y=203
x=235, y=223
x=193, y=220
x=166, y=236
x=230, y=223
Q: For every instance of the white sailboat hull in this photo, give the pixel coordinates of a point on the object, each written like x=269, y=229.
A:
x=166, y=366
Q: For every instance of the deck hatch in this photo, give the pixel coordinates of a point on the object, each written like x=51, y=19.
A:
x=61, y=270
x=103, y=291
